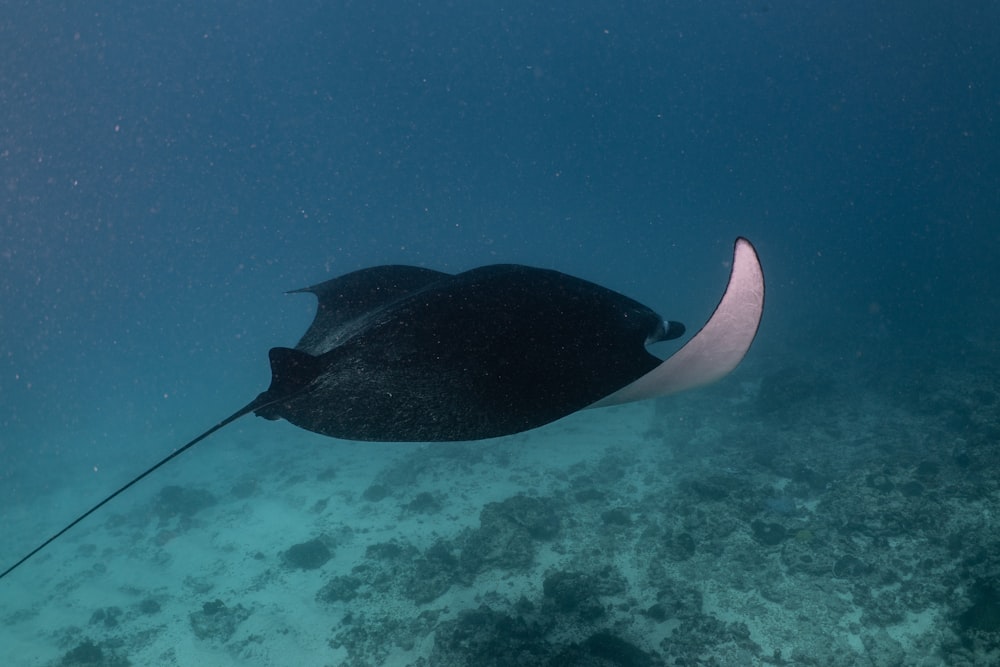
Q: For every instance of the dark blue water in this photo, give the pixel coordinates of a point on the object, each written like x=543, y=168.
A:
x=168, y=171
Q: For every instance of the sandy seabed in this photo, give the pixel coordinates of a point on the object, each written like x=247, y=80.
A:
x=803, y=516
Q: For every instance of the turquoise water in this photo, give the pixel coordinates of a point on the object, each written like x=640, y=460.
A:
x=169, y=172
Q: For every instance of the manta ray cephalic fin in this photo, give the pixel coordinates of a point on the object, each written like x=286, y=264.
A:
x=720, y=345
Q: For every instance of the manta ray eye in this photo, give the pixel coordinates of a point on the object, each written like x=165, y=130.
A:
x=672, y=330
x=667, y=330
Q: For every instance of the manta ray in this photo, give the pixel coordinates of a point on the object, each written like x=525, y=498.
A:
x=403, y=353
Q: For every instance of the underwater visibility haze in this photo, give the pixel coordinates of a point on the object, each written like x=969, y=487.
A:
x=170, y=170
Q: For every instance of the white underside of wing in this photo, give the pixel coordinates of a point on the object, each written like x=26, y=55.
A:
x=720, y=345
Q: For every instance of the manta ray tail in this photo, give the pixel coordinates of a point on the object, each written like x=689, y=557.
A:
x=291, y=371
x=156, y=466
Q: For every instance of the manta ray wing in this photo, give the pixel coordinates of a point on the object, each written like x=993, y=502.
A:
x=719, y=346
x=488, y=352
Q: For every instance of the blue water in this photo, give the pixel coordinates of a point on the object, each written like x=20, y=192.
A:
x=169, y=171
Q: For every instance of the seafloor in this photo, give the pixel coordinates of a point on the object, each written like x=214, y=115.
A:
x=794, y=514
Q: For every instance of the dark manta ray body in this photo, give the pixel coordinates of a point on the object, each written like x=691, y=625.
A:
x=400, y=353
